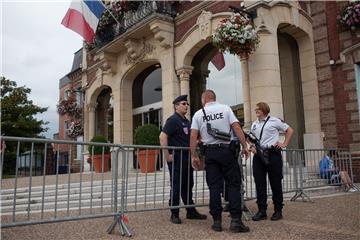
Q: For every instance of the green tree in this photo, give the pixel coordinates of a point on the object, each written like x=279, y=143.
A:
x=18, y=112
x=18, y=119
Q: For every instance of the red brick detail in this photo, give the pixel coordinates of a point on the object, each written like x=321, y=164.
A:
x=221, y=6
x=185, y=6
x=336, y=82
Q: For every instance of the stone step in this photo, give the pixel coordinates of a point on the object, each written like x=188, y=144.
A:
x=37, y=198
x=131, y=181
x=95, y=203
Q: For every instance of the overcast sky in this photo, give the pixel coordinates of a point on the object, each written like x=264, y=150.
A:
x=37, y=50
x=227, y=83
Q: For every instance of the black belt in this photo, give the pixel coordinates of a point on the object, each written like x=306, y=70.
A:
x=272, y=149
x=218, y=145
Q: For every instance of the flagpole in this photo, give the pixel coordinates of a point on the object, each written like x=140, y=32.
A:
x=110, y=12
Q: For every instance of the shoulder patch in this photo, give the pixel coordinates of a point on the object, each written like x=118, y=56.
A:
x=281, y=120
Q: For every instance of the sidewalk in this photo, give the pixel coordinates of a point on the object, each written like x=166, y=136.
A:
x=331, y=217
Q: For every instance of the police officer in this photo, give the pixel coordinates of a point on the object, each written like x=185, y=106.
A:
x=220, y=162
x=269, y=141
x=176, y=132
x=235, y=146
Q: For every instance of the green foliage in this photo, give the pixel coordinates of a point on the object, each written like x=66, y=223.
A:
x=99, y=149
x=18, y=112
x=17, y=119
x=147, y=135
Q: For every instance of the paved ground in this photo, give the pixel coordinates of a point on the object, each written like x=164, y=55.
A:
x=332, y=217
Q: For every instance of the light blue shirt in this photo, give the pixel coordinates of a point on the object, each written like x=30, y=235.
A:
x=271, y=131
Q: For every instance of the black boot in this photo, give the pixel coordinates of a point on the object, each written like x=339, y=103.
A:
x=175, y=218
x=237, y=225
x=277, y=215
x=217, y=225
x=260, y=215
x=194, y=214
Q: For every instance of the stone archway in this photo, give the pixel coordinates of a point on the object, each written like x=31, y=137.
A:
x=125, y=114
x=264, y=66
x=97, y=112
x=291, y=86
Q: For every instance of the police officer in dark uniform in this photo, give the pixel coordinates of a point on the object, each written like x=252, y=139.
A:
x=176, y=132
x=267, y=128
x=220, y=162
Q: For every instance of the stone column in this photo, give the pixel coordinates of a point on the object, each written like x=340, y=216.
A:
x=116, y=120
x=91, y=110
x=246, y=92
x=184, y=75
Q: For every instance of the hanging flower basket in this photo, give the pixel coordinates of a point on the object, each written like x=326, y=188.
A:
x=118, y=8
x=349, y=17
x=236, y=35
x=70, y=107
x=75, y=129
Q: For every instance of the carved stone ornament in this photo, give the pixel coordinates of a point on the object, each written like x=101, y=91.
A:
x=184, y=72
x=204, y=22
x=137, y=50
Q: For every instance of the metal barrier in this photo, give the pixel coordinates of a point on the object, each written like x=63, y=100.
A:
x=83, y=192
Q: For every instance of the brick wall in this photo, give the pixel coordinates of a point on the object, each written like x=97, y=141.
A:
x=183, y=27
x=337, y=92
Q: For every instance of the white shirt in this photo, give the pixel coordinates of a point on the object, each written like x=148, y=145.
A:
x=271, y=130
x=220, y=116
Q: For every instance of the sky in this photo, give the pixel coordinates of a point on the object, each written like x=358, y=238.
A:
x=36, y=51
x=227, y=83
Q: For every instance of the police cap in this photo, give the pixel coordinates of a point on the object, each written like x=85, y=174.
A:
x=180, y=98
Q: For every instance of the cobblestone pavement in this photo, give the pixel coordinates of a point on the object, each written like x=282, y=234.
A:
x=330, y=217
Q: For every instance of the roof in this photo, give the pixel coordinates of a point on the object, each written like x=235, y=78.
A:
x=77, y=62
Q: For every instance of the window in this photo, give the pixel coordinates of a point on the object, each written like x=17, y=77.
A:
x=67, y=94
x=78, y=96
x=66, y=128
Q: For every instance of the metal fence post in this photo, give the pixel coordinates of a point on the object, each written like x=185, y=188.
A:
x=300, y=191
x=120, y=216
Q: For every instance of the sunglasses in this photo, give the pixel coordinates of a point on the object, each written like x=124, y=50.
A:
x=184, y=103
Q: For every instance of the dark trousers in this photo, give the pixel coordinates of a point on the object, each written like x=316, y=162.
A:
x=221, y=165
x=275, y=172
x=181, y=181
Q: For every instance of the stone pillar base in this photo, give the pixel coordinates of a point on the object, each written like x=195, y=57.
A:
x=313, y=141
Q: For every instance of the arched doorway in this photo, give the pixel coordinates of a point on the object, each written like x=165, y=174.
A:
x=227, y=82
x=147, y=97
x=104, y=114
x=291, y=88
x=147, y=100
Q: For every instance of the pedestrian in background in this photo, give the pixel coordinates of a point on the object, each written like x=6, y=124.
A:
x=214, y=122
x=267, y=129
x=176, y=132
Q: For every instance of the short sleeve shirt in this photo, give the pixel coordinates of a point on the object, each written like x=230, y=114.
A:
x=220, y=116
x=178, y=130
x=271, y=131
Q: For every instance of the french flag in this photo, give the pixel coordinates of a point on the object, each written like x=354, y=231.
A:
x=83, y=17
x=218, y=61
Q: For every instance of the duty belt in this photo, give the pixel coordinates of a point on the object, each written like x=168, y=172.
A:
x=217, y=145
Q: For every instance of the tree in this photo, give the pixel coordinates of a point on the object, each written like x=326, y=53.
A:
x=18, y=112
x=18, y=119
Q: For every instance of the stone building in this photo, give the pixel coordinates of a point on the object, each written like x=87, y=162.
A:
x=304, y=68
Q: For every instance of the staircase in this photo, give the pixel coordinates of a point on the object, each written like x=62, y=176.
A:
x=141, y=191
